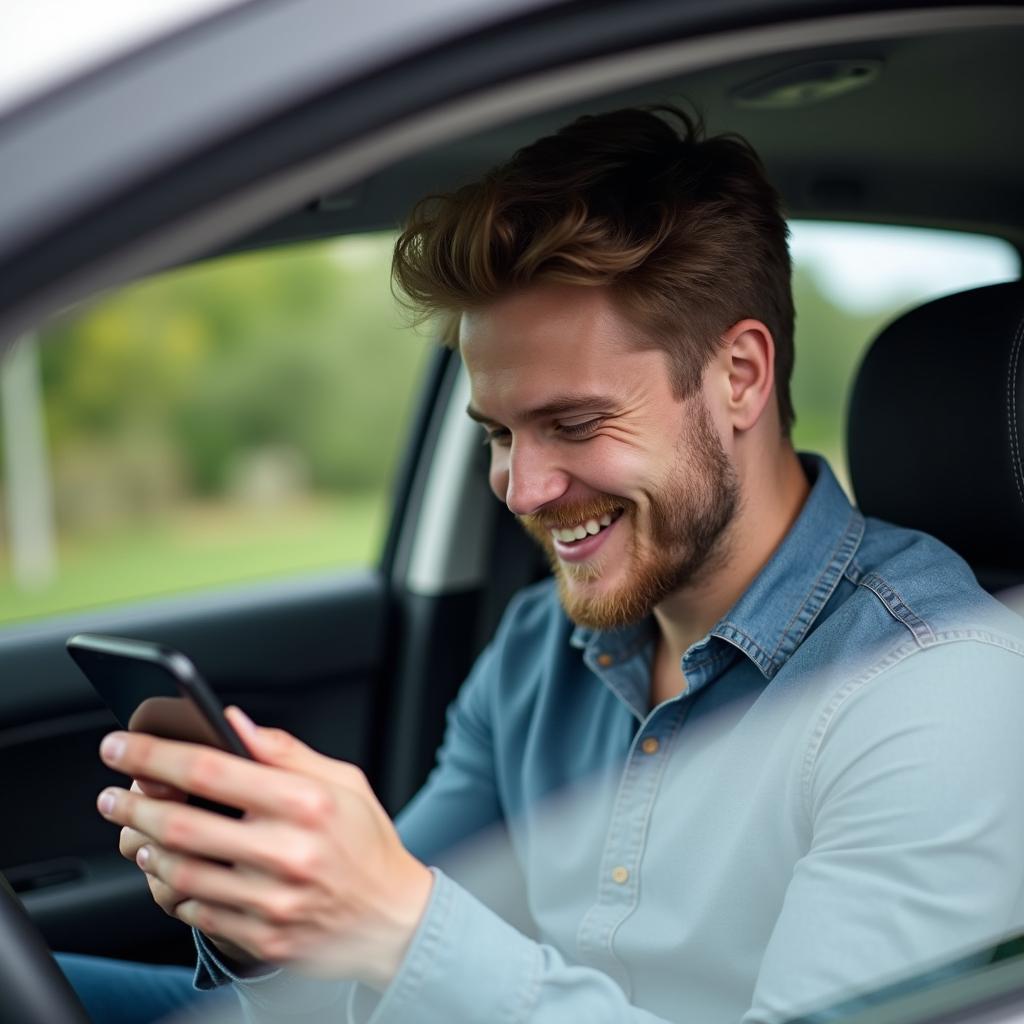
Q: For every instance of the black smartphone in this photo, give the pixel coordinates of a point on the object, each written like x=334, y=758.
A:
x=157, y=690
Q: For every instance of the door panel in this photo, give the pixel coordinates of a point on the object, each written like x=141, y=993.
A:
x=303, y=656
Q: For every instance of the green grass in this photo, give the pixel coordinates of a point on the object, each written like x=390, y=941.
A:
x=202, y=546
x=206, y=545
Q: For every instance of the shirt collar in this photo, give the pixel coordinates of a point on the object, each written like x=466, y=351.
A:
x=776, y=612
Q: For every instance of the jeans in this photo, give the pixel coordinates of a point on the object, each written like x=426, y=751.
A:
x=122, y=992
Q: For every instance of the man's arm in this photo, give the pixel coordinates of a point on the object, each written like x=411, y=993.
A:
x=916, y=836
x=913, y=797
x=917, y=828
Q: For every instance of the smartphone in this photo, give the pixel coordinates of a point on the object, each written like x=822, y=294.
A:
x=157, y=690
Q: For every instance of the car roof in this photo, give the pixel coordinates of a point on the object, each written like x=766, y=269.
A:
x=220, y=138
x=930, y=138
x=37, y=57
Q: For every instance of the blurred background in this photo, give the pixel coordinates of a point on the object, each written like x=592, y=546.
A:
x=243, y=418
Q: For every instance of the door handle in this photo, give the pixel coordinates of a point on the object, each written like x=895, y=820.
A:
x=43, y=874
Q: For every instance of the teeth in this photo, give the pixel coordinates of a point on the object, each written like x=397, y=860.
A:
x=587, y=529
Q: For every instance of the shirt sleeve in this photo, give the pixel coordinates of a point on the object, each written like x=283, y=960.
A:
x=466, y=962
x=913, y=857
x=917, y=830
x=914, y=861
x=458, y=801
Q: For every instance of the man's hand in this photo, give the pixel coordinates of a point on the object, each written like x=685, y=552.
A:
x=313, y=876
x=166, y=898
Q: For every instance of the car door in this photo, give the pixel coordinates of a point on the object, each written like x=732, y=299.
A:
x=360, y=663
x=335, y=655
x=305, y=649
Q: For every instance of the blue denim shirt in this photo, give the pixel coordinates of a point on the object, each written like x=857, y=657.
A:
x=829, y=804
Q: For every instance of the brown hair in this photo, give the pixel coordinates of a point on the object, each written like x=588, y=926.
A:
x=685, y=231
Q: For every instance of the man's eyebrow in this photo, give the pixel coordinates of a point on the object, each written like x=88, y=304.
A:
x=556, y=407
x=473, y=414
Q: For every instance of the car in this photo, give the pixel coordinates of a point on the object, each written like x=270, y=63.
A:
x=273, y=123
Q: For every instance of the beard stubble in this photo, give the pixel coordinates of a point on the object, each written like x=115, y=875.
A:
x=689, y=519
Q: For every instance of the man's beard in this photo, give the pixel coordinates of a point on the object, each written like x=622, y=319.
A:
x=688, y=523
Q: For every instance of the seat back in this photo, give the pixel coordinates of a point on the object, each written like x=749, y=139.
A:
x=935, y=432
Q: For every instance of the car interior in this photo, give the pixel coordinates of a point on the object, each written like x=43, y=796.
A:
x=894, y=117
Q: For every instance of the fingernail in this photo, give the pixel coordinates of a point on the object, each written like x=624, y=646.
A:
x=106, y=801
x=112, y=748
x=142, y=857
x=243, y=720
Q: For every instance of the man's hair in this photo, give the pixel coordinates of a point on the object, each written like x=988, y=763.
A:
x=686, y=232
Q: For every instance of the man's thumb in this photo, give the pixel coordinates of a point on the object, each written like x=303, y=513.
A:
x=271, y=746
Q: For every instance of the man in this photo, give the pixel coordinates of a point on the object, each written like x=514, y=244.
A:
x=751, y=750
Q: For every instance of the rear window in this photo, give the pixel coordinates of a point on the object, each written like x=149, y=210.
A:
x=849, y=281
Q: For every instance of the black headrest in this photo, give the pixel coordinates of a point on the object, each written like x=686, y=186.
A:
x=936, y=427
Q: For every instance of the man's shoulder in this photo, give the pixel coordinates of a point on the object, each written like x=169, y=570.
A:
x=929, y=592
x=904, y=593
x=915, y=635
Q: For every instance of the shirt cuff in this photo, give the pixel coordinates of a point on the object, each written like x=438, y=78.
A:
x=213, y=972
x=274, y=994
x=465, y=963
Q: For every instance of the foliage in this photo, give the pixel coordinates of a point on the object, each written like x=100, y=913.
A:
x=299, y=350
x=830, y=342
x=243, y=417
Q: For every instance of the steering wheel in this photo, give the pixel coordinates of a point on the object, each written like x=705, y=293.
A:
x=34, y=988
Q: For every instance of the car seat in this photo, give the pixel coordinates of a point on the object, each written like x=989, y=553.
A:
x=935, y=428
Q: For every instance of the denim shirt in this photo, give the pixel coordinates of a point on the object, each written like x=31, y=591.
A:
x=830, y=803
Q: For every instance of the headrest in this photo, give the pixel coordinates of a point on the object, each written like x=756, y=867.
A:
x=936, y=427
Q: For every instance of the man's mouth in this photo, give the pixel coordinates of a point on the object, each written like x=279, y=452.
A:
x=587, y=528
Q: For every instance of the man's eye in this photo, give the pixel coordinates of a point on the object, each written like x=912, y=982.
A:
x=497, y=436
x=579, y=430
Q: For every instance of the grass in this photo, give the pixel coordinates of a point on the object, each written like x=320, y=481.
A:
x=206, y=545
x=202, y=546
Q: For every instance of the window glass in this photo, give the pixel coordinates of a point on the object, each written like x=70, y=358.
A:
x=233, y=420
x=849, y=280
x=242, y=418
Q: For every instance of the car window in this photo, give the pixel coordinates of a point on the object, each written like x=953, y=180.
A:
x=241, y=419
x=234, y=420
x=849, y=281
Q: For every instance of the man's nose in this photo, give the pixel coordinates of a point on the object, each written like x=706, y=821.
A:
x=531, y=479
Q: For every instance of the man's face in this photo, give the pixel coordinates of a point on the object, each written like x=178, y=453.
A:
x=627, y=488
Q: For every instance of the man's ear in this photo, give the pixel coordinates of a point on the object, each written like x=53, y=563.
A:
x=746, y=362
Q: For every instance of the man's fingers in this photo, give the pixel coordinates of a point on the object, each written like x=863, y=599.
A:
x=255, y=938
x=158, y=790
x=166, y=898
x=220, y=776
x=283, y=750
x=194, y=878
x=131, y=841
x=274, y=847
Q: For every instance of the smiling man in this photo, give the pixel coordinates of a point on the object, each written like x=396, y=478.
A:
x=631, y=490
x=751, y=749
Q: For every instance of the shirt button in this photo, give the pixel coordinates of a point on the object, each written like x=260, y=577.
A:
x=620, y=875
x=650, y=745
x=604, y=660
